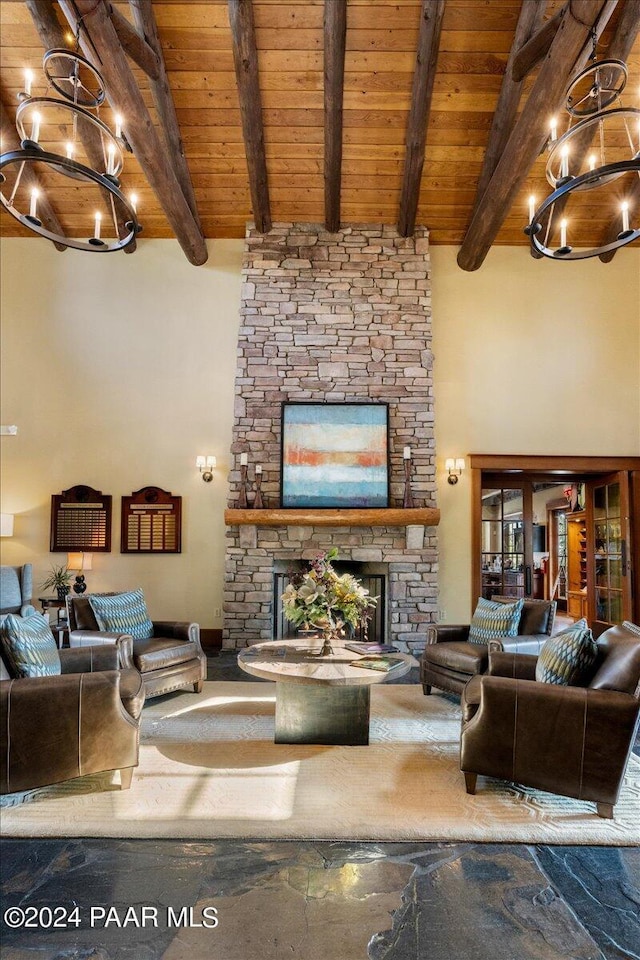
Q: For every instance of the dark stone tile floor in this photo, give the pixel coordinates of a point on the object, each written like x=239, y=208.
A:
x=317, y=900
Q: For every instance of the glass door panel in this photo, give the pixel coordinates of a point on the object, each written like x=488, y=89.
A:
x=607, y=548
x=503, y=542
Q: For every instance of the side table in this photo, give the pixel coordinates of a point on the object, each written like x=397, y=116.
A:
x=59, y=626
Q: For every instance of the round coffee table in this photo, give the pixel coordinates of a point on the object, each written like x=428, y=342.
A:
x=318, y=699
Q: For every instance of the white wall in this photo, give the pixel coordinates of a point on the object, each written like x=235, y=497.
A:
x=531, y=357
x=118, y=370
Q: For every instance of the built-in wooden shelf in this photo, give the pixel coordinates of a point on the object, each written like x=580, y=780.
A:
x=385, y=517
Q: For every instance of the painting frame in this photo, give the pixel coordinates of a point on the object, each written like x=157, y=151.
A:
x=327, y=447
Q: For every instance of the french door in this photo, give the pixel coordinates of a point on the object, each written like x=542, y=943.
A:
x=609, y=559
x=506, y=539
x=512, y=497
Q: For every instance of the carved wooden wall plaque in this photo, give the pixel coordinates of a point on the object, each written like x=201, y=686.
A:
x=151, y=522
x=80, y=521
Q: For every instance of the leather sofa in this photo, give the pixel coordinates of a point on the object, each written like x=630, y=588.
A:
x=171, y=659
x=449, y=660
x=85, y=720
x=16, y=587
x=574, y=741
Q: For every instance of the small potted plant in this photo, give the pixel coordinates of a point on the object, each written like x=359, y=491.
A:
x=58, y=580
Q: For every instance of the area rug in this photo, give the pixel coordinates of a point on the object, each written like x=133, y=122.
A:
x=209, y=769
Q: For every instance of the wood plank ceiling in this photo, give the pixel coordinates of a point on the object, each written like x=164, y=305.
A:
x=285, y=87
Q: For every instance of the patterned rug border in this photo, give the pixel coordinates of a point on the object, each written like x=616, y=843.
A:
x=198, y=754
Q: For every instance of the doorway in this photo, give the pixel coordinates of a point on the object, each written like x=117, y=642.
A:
x=558, y=528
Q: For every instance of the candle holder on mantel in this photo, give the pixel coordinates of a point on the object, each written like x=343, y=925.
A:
x=242, y=492
x=407, y=502
x=257, y=500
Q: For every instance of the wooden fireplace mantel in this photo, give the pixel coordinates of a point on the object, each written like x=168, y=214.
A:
x=384, y=517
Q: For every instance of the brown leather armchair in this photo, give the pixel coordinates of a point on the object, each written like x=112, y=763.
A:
x=449, y=660
x=171, y=659
x=83, y=721
x=574, y=741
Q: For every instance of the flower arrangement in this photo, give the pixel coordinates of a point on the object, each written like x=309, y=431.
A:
x=319, y=597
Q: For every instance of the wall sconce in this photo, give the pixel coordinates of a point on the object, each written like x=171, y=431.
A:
x=454, y=469
x=206, y=466
x=6, y=524
x=80, y=562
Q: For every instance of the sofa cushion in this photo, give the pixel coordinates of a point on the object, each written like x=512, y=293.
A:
x=29, y=646
x=535, y=617
x=494, y=619
x=465, y=658
x=124, y=613
x=157, y=653
x=619, y=659
x=567, y=658
x=84, y=616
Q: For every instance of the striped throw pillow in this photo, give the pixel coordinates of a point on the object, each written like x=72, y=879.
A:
x=567, y=658
x=29, y=646
x=123, y=613
x=493, y=619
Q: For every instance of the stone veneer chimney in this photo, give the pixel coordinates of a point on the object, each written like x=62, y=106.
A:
x=333, y=317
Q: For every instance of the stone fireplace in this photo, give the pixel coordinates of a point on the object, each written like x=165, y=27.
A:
x=333, y=317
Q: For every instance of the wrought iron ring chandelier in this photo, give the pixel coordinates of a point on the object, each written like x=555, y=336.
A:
x=601, y=149
x=80, y=89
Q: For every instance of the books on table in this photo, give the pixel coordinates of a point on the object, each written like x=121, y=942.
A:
x=370, y=648
x=382, y=664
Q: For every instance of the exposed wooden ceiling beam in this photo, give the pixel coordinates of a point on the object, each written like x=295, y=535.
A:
x=30, y=179
x=43, y=14
x=529, y=134
x=335, y=35
x=627, y=30
x=245, y=58
x=135, y=45
x=431, y=16
x=508, y=100
x=99, y=33
x=145, y=21
x=535, y=48
x=620, y=46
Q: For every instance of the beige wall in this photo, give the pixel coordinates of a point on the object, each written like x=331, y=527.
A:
x=530, y=357
x=119, y=370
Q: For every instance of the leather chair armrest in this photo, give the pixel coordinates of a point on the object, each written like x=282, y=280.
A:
x=177, y=630
x=56, y=728
x=93, y=638
x=518, y=666
x=444, y=633
x=569, y=740
x=530, y=643
x=118, y=649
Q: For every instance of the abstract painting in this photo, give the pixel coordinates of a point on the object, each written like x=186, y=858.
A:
x=335, y=455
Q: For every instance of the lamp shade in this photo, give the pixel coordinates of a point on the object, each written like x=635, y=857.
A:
x=79, y=561
x=6, y=524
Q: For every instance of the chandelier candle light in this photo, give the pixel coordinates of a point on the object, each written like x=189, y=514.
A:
x=56, y=135
x=600, y=150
